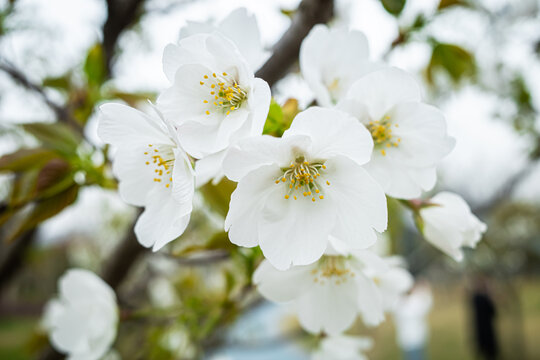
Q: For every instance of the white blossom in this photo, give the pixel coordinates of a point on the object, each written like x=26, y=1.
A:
x=215, y=99
x=296, y=193
x=342, y=347
x=329, y=294
x=83, y=320
x=332, y=59
x=241, y=28
x=152, y=169
x=450, y=225
x=410, y=136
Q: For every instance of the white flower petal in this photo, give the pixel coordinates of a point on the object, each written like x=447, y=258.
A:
x=382, y=89
x=282, y=286
x=163, y=220
x=333, y=133
x=210, y=167
x=252, y=153
x=294, y=232
x=121, y=125
x=358, y=200
x=246, y=204
x=328, y=306
x=369, y=301
x=422, y=130
x=330, y=59
x=136, y=177
x=241, y=27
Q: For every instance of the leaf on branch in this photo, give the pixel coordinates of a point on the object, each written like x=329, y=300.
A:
x=25, y=159
x=43, y=210
x=280, y=117
x=457, y=62
x=218, y=196
x=55, y=136
x=95, y=67
x=394, y=7
x=443, y=4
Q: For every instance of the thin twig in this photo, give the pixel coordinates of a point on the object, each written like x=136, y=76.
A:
x=61, y=113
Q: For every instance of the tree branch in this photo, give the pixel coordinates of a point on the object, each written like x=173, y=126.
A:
x=61, y=113
x=121, y=15
x=286, y=50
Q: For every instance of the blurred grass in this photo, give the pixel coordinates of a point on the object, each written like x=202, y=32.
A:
x=450, y=337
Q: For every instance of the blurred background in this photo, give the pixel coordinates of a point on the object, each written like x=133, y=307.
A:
x=478, y=60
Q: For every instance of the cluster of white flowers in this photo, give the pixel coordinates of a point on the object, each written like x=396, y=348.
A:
x=313, y=199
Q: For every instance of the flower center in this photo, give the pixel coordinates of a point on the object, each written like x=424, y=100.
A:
x=381, y=132
x=225, y=94
x=161, y=159
x=332, y=268
x=302, y=177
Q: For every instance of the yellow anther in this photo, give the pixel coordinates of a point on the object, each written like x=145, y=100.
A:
x=145, y=153
x=383, y=152
x=207, y=112
x=147, y=163
x=286, y=196
x=213, y=86
x=313, y=199
x=205, y=101
x=214, y=74
x=205, y=76
x=150, y=145
x=277, y=181
x=201, y=82
x=283, y=179
x=321, y=197
x=156, y=150
x=317, y=191
x=305, y=193
x=167, y=185
x=324, y=166
x=212, y=92
x=228, y=112
x=224, y=74
x=327, y=182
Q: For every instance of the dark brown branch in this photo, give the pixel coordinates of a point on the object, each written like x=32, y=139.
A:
x=121, y=261
x=61, y=113
x=286, y=50
x=121, y=15
x=12, y=256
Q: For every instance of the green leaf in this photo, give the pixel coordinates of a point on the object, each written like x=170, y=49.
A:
x=25, y=159
x=394, y=7
x=44, y=210
x=60, y=82
x=443, y=4
x=274, y=119
x=218, y=196
x=280, y=117
x=457, y=62
x=55, y=136
x=95, y=67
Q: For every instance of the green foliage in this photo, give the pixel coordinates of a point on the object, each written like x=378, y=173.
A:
x=218, y=196
x=55, y=136
x=444, y=4
x=455, y=61
x=43, y=210
x=25, y=159
x=394, y=7
x=95, y=67
x=280, y=117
